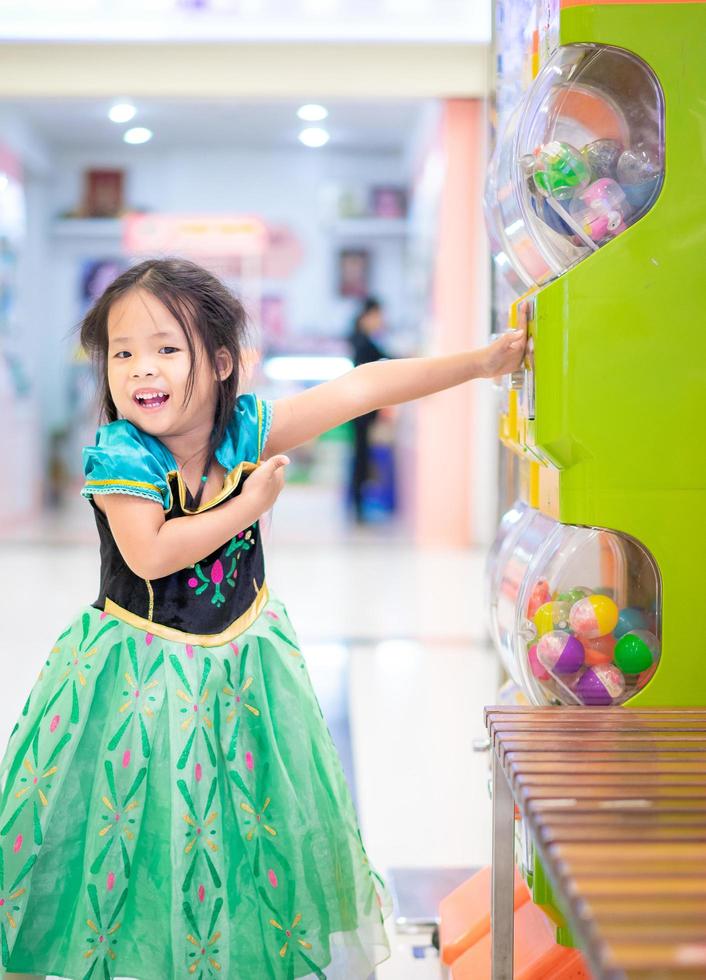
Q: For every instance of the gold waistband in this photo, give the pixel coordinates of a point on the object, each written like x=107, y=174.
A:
x=195, y=639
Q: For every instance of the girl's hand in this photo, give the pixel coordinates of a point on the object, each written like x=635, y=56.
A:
x=265, y=484
x=505, y=355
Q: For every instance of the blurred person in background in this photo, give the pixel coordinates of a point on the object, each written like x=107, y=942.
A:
x=367, y=325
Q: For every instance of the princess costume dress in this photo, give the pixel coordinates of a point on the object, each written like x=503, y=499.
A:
x=172, y=804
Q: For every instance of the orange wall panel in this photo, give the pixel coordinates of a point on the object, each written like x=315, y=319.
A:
x=445, y=422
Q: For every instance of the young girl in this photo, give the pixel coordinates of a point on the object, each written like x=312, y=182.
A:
x=172, y=803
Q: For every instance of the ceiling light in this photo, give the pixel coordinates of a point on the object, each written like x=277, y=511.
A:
x=312, y=113
x=122, y=112
x=314, y=136
x=138, y=135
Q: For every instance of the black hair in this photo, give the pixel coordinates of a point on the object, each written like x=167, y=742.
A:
x=202, y=306
x=368, y=305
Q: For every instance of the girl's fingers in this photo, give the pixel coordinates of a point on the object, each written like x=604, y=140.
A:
x=279, y=460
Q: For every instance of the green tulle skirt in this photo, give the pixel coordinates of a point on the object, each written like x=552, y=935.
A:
x=176, y=811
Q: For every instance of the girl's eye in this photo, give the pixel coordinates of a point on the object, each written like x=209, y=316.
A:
x=123, y=353
x=168, y=350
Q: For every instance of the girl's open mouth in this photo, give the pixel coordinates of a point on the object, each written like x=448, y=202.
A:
x=150, y=399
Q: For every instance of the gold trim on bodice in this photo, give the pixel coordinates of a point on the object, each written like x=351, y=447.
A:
x=230, y=482
x=195, y=639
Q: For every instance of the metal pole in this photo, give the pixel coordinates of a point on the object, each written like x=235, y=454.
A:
x=502, y=895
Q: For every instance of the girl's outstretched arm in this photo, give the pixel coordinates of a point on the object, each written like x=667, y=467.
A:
x=302, y=417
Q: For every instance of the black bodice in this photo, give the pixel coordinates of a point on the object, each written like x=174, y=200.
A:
x=203, y=599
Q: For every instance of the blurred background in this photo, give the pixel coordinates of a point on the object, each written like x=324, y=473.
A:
x=326, y=158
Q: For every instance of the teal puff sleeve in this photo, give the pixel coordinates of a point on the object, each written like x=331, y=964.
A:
x=247, y=433
x=126, y=460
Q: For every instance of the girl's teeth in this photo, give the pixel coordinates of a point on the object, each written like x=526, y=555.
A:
x=152, y=399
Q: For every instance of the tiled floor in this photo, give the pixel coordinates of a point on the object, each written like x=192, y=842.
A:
x=395, y=643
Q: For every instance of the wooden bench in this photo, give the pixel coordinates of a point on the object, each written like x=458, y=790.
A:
x=615, y=800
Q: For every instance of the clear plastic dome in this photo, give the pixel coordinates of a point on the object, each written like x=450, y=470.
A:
x=507, y=570
x=577, y=613
x=581, y=159
x=510, y=528
x=517, y=259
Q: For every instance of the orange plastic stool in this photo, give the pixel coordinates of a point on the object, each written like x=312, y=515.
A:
x=465, y=913
x=536, y=954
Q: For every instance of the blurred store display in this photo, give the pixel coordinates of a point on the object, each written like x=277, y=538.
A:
x=21, y=486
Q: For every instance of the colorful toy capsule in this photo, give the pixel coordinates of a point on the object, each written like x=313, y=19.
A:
x=573, y=595
x=601, y=685
x=560, y=170
x=629, y=619
x=599, y=650
x=639, y=171
x=552, y=616
x=600, y=209
x=543, y=209
x=560, y=652
x=638, y=650
x=640, y=196
x=596, y=615
x=637, y=165
x=540, y=594
x=602, y=157
x=535, y=666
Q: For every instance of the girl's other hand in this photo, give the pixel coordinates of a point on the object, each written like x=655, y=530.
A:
x=505, y=355
x=265, y=484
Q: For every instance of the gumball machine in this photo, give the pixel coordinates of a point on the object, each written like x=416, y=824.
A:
x=596, y=220
x=590, y=203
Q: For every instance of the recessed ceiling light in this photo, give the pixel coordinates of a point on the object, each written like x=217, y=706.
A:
x=122, y=112
x=312, y=113
x=314, y=136
x=138, y=135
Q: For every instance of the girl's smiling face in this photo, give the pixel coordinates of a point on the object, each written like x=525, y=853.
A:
x=149, y=366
